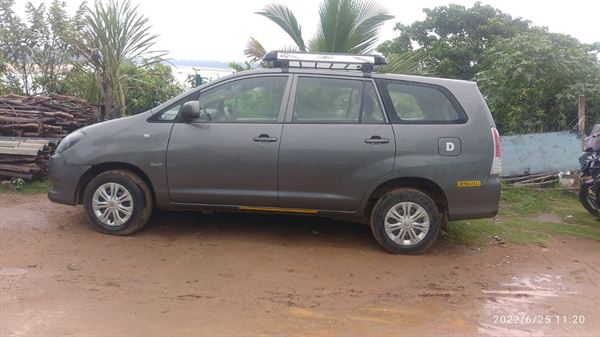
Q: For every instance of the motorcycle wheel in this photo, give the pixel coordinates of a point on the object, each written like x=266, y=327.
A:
x=588, y=198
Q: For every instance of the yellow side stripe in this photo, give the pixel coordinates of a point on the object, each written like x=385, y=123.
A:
x=278, y=209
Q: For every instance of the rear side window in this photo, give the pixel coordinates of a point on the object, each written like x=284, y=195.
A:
x=419, y=103
x=336, y=101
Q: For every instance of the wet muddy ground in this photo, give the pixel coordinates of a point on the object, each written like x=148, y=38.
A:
x=188, y=274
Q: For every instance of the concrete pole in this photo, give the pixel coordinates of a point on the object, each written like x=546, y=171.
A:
x=581, y=114
x=581, y=119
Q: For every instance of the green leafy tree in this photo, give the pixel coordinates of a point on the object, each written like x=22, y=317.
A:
x=237, y=67
x=36, y=52
x=532, y=81
x=80, y=83
x=15, y=42
x=144, y=87
x=115, y=34
x=10, y=84
x=52, y=31
x=147, y=87
x=454, y=38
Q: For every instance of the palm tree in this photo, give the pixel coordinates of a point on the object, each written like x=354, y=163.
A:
x=115, y=34
x=410, y=62
x=345, y=26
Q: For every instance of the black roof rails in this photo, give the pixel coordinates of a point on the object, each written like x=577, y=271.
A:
x=333, y=61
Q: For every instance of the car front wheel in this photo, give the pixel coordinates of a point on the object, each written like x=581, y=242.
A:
x=405, y=221
x=117, y=202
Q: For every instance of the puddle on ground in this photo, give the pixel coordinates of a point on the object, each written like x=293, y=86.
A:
x=533, y=305
x=11, y=271
x=522, y=306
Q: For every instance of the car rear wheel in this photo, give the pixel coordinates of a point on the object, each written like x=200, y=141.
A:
x=117, y=202
x=405, y=221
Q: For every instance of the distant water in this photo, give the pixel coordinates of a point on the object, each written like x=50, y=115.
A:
x=181, y=72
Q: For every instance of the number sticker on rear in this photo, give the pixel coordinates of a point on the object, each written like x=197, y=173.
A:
x=468, y=183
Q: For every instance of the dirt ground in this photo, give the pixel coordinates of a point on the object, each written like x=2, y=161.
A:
x=189, y=274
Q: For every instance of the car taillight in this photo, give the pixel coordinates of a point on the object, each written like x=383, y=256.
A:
x=497, y=162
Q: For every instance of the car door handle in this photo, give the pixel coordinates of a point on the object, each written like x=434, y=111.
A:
x=377, y=140
x=264, y=138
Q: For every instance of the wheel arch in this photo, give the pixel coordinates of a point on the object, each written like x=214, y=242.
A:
x=103, y=167
x=433, y=190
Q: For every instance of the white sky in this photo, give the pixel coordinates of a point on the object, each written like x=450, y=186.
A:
x=219, y=29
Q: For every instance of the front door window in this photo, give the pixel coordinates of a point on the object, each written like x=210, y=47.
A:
x=250, y=100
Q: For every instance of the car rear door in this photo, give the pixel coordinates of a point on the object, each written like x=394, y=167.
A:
x=336, y=143
x=229, y=155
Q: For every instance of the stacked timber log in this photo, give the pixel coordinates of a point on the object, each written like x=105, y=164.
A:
x=52, y=116
x=25, y=158
x=532, y=180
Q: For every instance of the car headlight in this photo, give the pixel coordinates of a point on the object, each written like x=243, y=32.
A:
x=70, y=140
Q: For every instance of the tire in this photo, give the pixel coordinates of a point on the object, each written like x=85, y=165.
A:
x=587, y=198
x=412, y=202
x=132, y=212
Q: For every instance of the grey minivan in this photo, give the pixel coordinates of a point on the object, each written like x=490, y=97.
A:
x=315, y=134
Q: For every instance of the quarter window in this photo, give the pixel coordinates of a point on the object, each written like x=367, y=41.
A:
x=420, y=103
x=170, y=114
x=328, y=100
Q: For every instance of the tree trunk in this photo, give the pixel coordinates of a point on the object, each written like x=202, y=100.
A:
x=122, y=100
x=115, y=111
x=108, y=100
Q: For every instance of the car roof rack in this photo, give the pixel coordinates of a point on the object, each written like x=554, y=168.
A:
x=330, y=61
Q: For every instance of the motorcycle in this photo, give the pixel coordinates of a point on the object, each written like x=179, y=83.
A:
x=589, y=178
x=589, y=182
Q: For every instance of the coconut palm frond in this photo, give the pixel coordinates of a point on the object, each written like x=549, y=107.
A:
x=285, y=19
x=370, y=18
x=408, y=63
x=254, y=50
x=349, y=26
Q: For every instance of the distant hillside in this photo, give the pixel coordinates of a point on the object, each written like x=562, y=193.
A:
x=200, y=63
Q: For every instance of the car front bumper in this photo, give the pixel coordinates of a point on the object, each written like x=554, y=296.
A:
x=64, y=178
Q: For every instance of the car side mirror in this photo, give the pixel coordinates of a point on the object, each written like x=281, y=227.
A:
x=190, y=111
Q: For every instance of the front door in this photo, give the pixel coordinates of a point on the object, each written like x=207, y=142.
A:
x=229, y=155
x=335, y=144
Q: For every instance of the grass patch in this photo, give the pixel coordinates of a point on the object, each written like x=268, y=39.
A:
x=541, y=229
x=28, y=187
x=517, y=221
x=519, y=201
